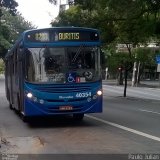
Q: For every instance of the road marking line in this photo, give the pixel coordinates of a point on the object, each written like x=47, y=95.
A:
x=149, y=111
x=125, y=128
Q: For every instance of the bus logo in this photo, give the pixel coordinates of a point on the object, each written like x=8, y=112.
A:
x=71, y=77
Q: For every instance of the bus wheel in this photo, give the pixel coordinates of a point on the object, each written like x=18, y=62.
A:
x=10, y=106
x=24, y=118
x=78, y=117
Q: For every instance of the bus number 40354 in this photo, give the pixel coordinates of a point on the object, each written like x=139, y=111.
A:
x=84, y=94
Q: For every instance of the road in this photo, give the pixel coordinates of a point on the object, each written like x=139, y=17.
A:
x=127, y=125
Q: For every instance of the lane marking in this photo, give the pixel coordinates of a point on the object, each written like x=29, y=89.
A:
x=125, y=128
x=149, y=111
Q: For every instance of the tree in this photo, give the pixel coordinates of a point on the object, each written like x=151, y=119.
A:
x=1, y=66
x=9, y=4
x=144, y=57
x=131, y=22
x=10, y=28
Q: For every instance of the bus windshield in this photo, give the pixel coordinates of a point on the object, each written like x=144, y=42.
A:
x=55, y=64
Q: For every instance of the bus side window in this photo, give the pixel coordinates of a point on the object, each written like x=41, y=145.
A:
x=90, y=60
x=30, y=67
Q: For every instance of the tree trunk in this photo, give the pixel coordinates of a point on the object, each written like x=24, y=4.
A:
x=120, y=77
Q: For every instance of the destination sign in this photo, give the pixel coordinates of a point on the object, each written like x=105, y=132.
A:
x=38, y=37
x=61, y=35
x=68, y=36
x=42, y=36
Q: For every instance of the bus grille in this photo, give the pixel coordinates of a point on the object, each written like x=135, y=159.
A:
x=66, y=100
x=68, y=89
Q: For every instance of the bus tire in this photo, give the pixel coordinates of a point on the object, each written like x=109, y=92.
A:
x=24, y=118
x=11, y=107
x=78, y=116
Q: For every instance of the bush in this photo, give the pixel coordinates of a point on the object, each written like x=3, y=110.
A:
x=1, y=66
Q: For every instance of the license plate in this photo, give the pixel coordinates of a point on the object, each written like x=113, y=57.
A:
x=65, y=108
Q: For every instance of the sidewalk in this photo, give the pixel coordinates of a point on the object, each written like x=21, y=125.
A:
x=2, y=76
x=143, y=83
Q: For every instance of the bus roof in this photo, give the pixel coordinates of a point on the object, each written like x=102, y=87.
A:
x=63, y=28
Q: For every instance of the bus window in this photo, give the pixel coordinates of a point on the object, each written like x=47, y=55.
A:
x=84, y=59
x=53, y=64
x=30, y=75
x=47, y=63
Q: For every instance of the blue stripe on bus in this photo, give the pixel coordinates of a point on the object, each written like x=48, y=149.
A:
x=72, y=44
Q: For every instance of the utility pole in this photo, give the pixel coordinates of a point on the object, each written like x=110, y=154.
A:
x=158, y=70
x=158, y=66
x=134, y=74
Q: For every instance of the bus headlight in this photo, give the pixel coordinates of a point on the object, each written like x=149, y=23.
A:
x=99, y=92
x=29, y=95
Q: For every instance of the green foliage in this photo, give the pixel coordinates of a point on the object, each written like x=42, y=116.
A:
x=124, y=21
x=69, y=17
x=1, y=66
x=119, y=59
x=130, y=22
x=145, y=55
x=10, y=5
x=10, y=28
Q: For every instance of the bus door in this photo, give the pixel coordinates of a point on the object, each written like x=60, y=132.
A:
x=18, y=76
x=20, y=71
x=15, y=81
x=10, y=79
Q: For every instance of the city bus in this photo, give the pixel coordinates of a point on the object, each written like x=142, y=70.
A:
x=55, y=71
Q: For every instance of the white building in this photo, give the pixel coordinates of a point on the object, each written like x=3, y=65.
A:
x=65, y=4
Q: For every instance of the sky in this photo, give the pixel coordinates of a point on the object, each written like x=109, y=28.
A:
x=39, y=12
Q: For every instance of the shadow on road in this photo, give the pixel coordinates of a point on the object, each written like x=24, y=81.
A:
x=57, y=121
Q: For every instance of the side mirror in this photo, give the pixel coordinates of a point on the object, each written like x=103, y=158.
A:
x=103, y=60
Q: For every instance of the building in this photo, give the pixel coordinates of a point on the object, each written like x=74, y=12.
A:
x=65, y=4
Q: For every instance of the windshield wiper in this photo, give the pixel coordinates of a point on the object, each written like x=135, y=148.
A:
x=77, y=53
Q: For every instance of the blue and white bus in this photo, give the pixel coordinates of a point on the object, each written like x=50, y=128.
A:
x=55, y=71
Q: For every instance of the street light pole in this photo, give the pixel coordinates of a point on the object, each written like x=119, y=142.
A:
x=134, y=74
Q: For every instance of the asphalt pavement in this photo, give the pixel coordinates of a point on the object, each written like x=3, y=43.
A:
x=127, y=125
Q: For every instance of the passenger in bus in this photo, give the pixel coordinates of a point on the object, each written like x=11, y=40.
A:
x=79, y=63
x=51, y=65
